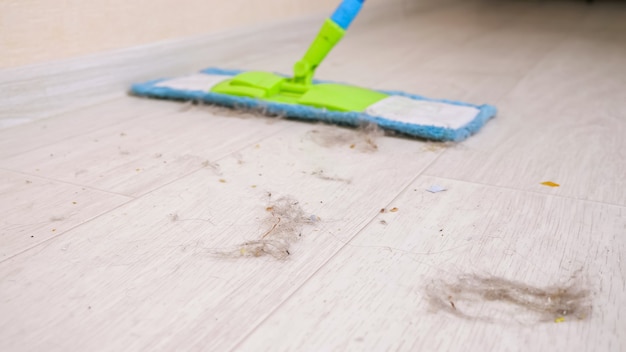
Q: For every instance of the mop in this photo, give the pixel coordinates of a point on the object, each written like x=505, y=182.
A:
x=302, y=97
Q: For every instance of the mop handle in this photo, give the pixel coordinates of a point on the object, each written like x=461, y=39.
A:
x=331, y=33
x=346, y=12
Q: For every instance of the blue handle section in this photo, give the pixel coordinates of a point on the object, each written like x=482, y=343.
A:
x=346, y=12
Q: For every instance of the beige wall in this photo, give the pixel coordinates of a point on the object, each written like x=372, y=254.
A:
x=33, y=31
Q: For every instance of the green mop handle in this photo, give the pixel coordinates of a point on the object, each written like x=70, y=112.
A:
x=331, y=33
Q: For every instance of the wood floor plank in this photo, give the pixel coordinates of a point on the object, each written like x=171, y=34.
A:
x=29, y=136
x=504, y=51
x=142, y=154
x=564, y=122
x=380, y=292
x=35, y=210
x=142, y=277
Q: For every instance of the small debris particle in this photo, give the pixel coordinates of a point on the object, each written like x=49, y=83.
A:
x=74, y=203
x=435, y=189
x=57, y=218
x=550, y=184
x=122, y=134
x=393, y=210
x=269, y=208
x=257, y=146
x=352, y=146
x=53, y=230
x=383, y=222
x=222, y=180
x=89, y=307
x=29, y=182
x=137, y=169
x=314, y=218
x=173, y=217
x=253, y=186
x=382, y=210
x=451, y=303
x=158, y=155
x=559, y=320
x=31, y=236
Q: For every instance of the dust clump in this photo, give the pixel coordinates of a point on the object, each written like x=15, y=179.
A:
x=284, y=223
x=362, y=139
x=497, y=300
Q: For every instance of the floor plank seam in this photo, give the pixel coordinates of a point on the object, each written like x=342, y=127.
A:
x=67, y=183
x=527, y=191
x=2, y=261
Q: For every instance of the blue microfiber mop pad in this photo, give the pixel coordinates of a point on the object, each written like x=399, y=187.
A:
x=409, y=114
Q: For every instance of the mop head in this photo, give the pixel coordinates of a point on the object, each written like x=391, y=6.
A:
x=408, y=114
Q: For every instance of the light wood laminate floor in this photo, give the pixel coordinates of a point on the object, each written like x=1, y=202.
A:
x=112, y=213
